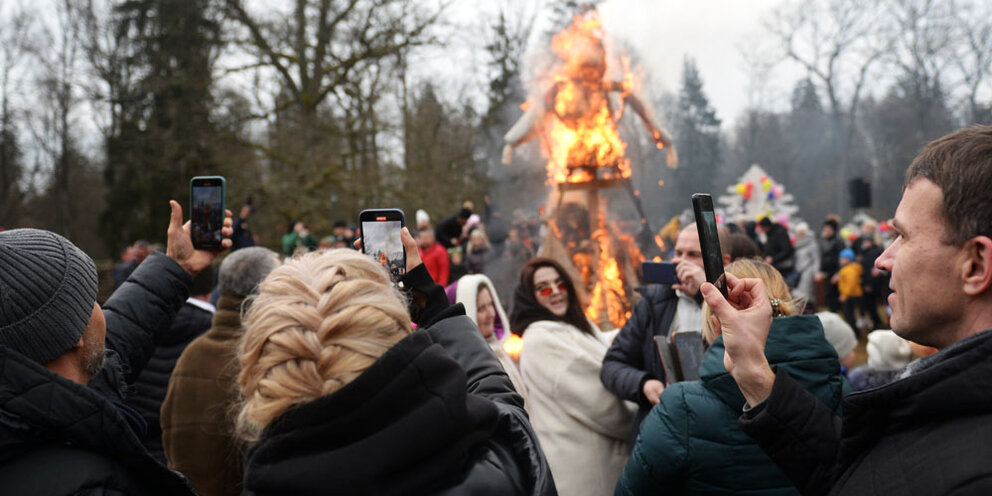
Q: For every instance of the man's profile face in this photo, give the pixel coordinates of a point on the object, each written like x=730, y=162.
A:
x=687, y=246
x=927, y=299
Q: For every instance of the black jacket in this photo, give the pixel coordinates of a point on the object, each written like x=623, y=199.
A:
x=633, y=358
x=927, y=434
x=435, y=414
x=152, y=383
x=779, y=247
x=60, y=438
x=830, y=255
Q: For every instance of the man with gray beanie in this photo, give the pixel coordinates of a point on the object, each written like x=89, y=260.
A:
x=196, y=431
x=65, y=362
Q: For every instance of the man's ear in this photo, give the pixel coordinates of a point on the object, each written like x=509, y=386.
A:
x=726, y=259
x=79, y=344
x=977, y=263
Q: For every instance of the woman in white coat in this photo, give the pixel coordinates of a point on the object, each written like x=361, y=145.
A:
x=477, y=294
x=583, y=428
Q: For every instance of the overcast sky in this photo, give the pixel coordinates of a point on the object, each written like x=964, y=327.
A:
x=662, y=32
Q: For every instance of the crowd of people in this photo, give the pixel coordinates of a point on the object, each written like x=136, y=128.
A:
x=312, y=371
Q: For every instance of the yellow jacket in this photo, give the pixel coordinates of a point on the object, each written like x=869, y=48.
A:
x=849, y=280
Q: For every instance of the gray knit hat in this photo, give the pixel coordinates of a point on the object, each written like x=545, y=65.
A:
x=47, y=290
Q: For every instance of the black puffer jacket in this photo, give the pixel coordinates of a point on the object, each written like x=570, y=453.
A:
x=434, y=415
x=60, y=438
x=633, y=358
x=153, y=382
x=927, y=434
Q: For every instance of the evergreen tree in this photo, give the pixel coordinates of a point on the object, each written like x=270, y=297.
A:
x=697, y=133
x=168, y=136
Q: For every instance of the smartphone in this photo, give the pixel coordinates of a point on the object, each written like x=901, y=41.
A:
x=207, y=200
x=659, y=273
x=709, y=241
x=381, y=238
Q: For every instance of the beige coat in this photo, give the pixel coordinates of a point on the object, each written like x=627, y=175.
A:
x=583, y=428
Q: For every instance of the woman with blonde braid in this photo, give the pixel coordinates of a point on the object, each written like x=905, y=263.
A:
x=342, y=396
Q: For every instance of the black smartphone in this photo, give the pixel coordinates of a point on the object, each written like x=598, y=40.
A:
x=709, y=240
x=207, y=200
x=381, y=238
x=659, y=273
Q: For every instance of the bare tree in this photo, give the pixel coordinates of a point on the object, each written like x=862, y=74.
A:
x=835, y=42
x=14, y=39
x=974, y=58
x=325, y=55
x=57, y=54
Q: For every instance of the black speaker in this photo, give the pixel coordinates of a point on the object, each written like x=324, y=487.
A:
x=860, y=190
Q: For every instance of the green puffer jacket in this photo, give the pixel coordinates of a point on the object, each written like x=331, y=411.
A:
x=690, y=442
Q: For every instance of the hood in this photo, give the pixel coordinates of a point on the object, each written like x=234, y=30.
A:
x=954, y=385
x=404, y=426
x=795, y=344
x=467, y=292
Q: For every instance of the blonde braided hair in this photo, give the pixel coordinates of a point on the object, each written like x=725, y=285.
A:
x=316, y=324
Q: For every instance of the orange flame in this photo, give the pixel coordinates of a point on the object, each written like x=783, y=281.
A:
x=581, y=135
x=513, y=346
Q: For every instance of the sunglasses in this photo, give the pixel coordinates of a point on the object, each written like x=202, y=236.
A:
x=547, y=290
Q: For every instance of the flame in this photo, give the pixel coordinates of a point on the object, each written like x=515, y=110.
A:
x=581, y=137
x=610, y=294
x=513, y=346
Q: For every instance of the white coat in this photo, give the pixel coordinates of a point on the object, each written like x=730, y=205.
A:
x=583, y=428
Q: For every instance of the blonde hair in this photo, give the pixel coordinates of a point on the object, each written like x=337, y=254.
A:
x=316, y=324
x=778, y=291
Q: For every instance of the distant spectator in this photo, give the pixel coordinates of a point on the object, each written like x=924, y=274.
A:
x=456, y=257
x=139, y=251
x=192, y=320
x=741, y=246
x=777, y=249
x=243, y=236
x=423, y=219
x=807, y=262
x=434, y=255
x=888, y=355
x=344, y=233
x=298, y=239
x=848, y=281
x=830, y=248
x=197, y=432
x=479, y=252
x=874, y=282
x=449, y=231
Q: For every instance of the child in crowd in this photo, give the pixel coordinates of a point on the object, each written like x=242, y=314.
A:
x=848, y=281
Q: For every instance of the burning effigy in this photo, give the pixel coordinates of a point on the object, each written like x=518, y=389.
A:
x=576, y=118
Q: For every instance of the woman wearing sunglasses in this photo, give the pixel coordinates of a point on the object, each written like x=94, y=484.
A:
x=582, y=427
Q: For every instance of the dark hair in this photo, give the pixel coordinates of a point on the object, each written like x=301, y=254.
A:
x=765, y=222
x=741, y=246
x=464, y=213
x=833, y=223
x=339, y=223
x=526, y=309
x=203, y=282
x=960, y=163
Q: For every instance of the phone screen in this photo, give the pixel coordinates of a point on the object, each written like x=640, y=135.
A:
x=381, y=240
x=207, y=212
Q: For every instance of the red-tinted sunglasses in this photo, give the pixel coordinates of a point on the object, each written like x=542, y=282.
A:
x=546, y=291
